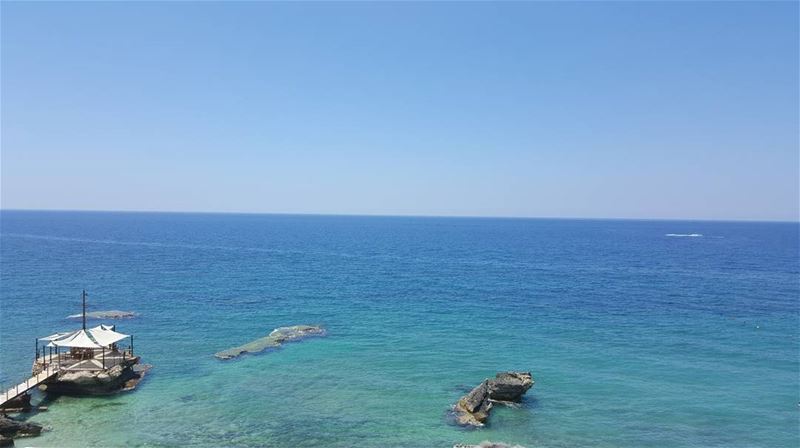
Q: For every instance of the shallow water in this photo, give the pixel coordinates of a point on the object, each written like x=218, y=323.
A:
x=635, y=338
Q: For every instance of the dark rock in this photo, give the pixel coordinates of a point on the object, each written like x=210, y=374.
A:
x=21, y=403
x=275, y=339
x=473, y=409
x=139, y=371
x=14, y=428
x=6, y=441
x=510, y=386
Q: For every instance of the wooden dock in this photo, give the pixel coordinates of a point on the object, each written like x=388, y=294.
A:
x=29, y=384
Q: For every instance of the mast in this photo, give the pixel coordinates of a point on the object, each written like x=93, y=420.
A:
x=84, y=308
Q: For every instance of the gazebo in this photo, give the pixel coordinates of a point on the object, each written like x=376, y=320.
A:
x=85, y=347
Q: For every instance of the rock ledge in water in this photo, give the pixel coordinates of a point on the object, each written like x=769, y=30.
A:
x=12, y=429
x=473, y=409
x=113, y=314
x=120, y=378
x=274, y=340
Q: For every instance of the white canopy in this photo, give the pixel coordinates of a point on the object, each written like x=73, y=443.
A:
x=105, y=335
x=97, y=337
x=79, y=339
x=53, y=337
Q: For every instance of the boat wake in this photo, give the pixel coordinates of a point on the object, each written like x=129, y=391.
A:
x=687, y=235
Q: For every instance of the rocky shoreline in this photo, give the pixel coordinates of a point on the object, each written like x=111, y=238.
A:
x=11, y=429
x=120, y=378
x=506, y=387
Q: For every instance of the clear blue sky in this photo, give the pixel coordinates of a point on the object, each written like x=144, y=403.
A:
x=633, y=110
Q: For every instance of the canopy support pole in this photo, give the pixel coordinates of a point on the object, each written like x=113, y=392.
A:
x=84, y=308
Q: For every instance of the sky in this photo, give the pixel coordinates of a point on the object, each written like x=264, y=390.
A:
x=594, y=110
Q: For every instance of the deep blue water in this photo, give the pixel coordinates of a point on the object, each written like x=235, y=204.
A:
x=635, y=338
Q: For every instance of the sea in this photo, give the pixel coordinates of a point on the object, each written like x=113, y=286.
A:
x=637, y=333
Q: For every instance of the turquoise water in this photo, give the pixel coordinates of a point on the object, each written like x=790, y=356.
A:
x=635, y=338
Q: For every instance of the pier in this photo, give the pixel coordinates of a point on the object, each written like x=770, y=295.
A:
x=48, y=366
x=79, y=351
x=29, y=384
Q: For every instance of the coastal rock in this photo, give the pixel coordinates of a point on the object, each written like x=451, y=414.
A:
x=473, y=409
x=6, y=441
x=139, y=371
x=94, y=382
x=112, y=314
x=21, y=403
x=275, y=339
x=13, y=429
x=510, y=386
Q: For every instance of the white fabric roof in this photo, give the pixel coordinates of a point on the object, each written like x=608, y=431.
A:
x=104, y=335
x=78, y=339
x=97, y=337
x=53, y=337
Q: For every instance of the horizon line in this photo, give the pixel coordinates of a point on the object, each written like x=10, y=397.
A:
x=380, y=215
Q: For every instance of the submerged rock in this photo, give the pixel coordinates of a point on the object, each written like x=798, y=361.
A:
x=113, y=314
x=473, y=409
x=275, y=339
x=13, y=429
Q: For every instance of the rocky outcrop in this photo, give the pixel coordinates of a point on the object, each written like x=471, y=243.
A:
x=19, y=404
x=275, y=339
x=98, y=382
x=139, y=371
x=473, y=409
x=14, y=429
x=112, y=314
x=510, y=386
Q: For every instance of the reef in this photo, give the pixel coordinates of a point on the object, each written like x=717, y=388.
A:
x=275, y=339
x=506, y=387
x=112, y=314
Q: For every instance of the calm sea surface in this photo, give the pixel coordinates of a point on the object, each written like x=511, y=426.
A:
x=635, y=338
